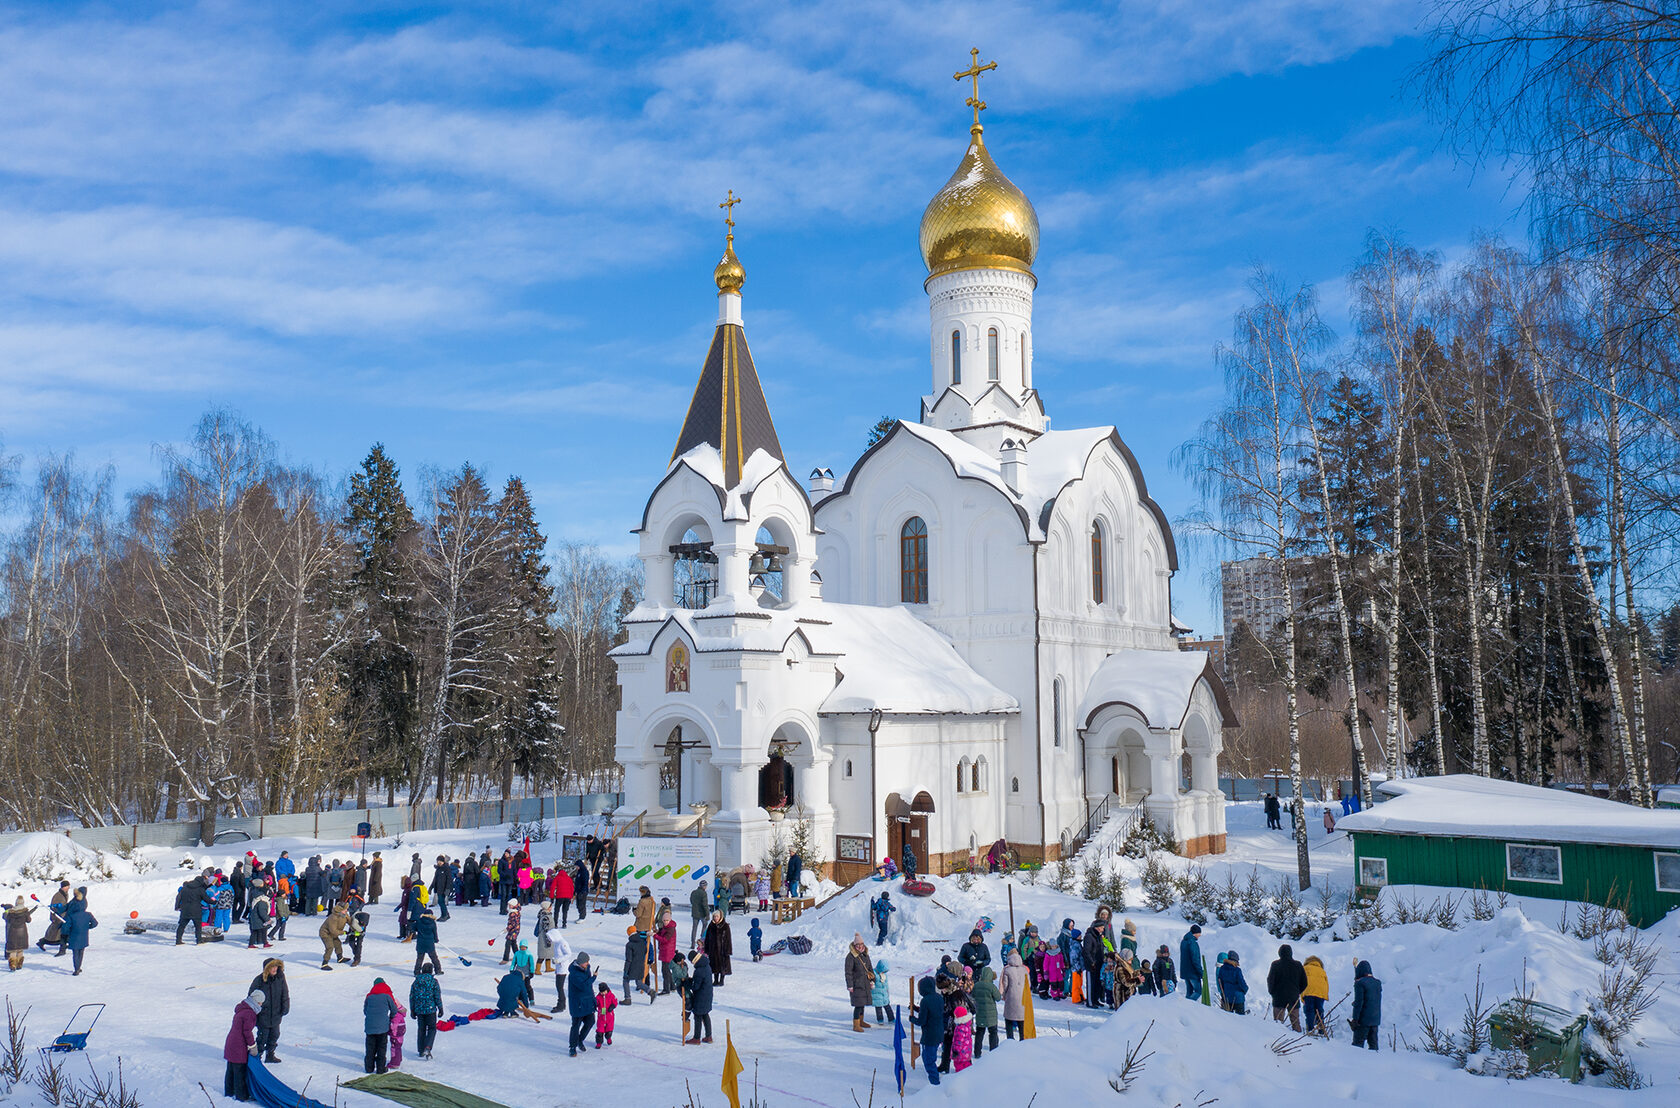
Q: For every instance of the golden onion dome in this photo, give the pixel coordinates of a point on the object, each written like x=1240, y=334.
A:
x=729, y=274
x=979, y=220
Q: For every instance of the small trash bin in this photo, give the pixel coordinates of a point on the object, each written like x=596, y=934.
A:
x=1555, y=1034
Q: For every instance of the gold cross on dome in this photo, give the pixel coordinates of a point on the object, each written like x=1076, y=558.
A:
x=728, y=207
x=973, y=74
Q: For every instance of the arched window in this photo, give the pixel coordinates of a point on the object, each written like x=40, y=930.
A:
x=848, y=767
x=1098, y=562
x=1023, y=360
x=962, y=775
x=992, y=355
x=977, y=775
x=956, y=357
x=1014, y=784
x=1056, y=712
x=913, y=561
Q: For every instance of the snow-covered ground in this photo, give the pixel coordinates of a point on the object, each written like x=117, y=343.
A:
x=169, y=1006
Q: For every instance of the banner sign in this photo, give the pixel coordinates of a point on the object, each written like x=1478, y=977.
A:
x=668, y=867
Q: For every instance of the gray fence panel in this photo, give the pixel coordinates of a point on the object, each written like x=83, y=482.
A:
x=102, y=838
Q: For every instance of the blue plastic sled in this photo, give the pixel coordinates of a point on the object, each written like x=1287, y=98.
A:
x=72, y=1039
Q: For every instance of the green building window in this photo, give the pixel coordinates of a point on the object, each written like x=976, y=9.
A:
x=1540, y=864
x=1373, y=872
x=1668, y=872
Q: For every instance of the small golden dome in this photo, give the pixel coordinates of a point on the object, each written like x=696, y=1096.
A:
x=729, y=274
x=979, y=220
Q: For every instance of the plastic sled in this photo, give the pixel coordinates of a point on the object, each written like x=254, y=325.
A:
x=75, y=1036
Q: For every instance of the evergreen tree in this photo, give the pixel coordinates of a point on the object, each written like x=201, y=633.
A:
x=528, y=684
x=381, y=672
x=883, y=427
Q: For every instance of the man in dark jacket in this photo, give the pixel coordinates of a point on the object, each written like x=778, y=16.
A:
x=1273, y=813
x=1190, y=962
x=699, y=987
x=636, y=966
x=442, y=886
x=795, y=870
x=700, y=908
x=311, y=884
x=425, y=942
x=376, y=878
x=55, y=930
x=1367, y=1006
x=469, y=879
x=907, y=862
x=930, y=1018
x=237, y=881
x=580, y=999
x=975, y=954
x=188, y=908
x=1094, y=947
x=1286, y=981
x=277, y=1002
x=580, y=891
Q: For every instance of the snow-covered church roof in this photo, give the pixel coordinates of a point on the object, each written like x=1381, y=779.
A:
x=1471, y=807
x=886, y=658
x=1055, y=459
x=1157, y=684
x=707, y=463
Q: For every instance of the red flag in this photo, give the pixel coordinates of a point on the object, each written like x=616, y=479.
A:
x=527, y=848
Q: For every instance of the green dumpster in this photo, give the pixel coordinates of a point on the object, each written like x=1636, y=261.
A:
x=1549, y=1036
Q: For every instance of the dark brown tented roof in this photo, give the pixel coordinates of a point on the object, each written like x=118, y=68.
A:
x=728, y=410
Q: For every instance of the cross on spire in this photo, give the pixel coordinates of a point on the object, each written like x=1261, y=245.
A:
x=728, y=207
x=973, y=74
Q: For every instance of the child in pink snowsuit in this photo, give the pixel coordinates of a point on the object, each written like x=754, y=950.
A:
x=962, y=1040
x=1052, y=973
x=605, y=1002
x=399, y=1028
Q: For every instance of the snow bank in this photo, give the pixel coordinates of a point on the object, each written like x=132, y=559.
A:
x=44, y=856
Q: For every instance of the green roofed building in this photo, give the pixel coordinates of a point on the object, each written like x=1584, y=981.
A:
x=1478, y=833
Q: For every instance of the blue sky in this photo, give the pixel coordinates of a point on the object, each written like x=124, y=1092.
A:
x=486, y=232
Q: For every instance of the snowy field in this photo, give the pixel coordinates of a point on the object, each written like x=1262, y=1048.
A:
x=169, y=1007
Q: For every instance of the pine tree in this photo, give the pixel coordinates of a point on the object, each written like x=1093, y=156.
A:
x=883, y=427
x=528, y=683
x=381, y=669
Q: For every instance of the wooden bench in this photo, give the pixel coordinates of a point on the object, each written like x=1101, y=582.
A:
x=787, y=909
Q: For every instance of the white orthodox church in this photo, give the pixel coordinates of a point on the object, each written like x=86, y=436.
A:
x=967, y=636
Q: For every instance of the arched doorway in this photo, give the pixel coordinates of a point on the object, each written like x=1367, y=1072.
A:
x=908, y=823
x=775, y=782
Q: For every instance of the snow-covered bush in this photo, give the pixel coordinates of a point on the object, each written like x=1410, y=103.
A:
x=1114, y=890
x=804, y=843
x=1446, y=912
x=1198, y=900
x=1252, y=904
x=1061, y=876
x=1144, y=837
x=1289, y=918
x=1367, y=917
x=1229, y=905
x=1094, y=883
x=1158, y=891
x=1485, y=905
x=536, y=831
x=964, y=878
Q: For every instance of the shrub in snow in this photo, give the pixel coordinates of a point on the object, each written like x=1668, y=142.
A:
x=1289, y=918
x=1620, y=1073
x=1485, y=905
x=1114, y=890
x=1252, y=905
x=1229, y=905
x=1061, y=876
x=805, y=844
x=187, y=862
x=1446, y=912
x=964, y=878
x=1094, y=883
x=1198, y=899
x=1158, y=892
x=1625, y=988
x=536, y=831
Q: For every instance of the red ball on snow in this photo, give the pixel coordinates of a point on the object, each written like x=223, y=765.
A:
x=134, y=915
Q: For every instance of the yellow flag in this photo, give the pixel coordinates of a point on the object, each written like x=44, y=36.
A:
x=731, y=1069
x=1029, y=1029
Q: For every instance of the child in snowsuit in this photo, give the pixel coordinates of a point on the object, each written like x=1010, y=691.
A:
x=962, y=1039
x=399, y=1028
x=1165, y=979
x=511, y=943
x=762, y=888
x=605, y=1002
x=1050, y=974
x=1146, y=979
x=1233, y=989
x=755, y=937
x=354, y=933
x=880, y=993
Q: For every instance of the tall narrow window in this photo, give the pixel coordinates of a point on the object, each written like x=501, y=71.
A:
x=956, y=357
x=1097, y=562
x=1023, y=361
x=992, y=355
x=1056, y=711
x=913, y=561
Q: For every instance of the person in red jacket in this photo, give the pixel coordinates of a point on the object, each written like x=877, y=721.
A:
x=665, y=939
x=236, y=1051
x=560, y=888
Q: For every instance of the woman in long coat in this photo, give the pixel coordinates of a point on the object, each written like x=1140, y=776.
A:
x=860, y=980
x=1015, y=986
x=544, y=952
x=17, y=933
x=719, y=946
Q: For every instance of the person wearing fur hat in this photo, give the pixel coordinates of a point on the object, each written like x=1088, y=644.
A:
x=720, y=945
x=240, y=1043
x=1128, y=941
x=17, y=933
x=975, y=954
x=860, y=980
x=277, y=1003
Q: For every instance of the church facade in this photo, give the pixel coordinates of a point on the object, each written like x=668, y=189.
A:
x=966, y=637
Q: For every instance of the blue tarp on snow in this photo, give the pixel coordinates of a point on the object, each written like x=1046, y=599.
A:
x=267, y=1090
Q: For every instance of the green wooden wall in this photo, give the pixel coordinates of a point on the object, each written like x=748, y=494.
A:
x=1624, y=875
